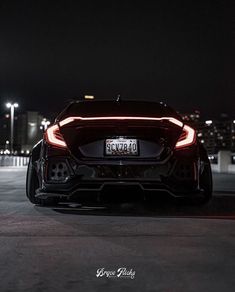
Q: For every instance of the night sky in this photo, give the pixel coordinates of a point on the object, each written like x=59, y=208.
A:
x=174, y=51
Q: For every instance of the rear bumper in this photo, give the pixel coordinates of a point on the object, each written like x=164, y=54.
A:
x=175, y=177
x=89, y=189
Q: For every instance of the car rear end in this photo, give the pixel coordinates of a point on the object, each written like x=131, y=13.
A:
x=128, y=145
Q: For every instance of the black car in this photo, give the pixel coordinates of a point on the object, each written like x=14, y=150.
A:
x=118, y=145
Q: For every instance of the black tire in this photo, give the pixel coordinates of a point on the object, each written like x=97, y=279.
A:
x=206, y=183
x=32, y=184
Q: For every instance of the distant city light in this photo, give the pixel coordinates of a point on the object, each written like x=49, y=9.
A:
x=208, y=122
x=89, y=97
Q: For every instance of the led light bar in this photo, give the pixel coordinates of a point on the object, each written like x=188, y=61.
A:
x=54, y=137
x=72, y=119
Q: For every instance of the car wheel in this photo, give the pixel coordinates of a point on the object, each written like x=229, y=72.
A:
x=206, y=183
x=32, y=184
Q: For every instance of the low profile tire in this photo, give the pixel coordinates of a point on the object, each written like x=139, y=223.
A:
x=32, y=184
x=206, y=184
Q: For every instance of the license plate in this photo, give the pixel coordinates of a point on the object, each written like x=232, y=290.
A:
x=121, y=146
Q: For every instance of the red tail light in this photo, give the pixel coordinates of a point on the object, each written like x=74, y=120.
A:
x=187, y=138
x=54, y=137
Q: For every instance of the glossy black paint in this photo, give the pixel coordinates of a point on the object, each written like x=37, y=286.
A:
x=66, y=173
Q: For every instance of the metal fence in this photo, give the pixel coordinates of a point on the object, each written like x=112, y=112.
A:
x=17, y=161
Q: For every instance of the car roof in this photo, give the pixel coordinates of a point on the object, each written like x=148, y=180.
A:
x=135, y=108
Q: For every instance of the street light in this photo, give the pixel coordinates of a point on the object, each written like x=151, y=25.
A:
x=45, y=123
x=12, y=107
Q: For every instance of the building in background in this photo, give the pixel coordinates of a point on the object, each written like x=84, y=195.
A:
x=217, y=134
x=28, y=131
x=193, y=119
x=4, y=133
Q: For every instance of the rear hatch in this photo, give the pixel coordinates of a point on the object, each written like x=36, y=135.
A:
x=89, y=139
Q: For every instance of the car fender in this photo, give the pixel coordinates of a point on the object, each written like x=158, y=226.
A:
x=36, y=152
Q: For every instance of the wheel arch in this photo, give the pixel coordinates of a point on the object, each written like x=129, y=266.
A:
x=36, y=151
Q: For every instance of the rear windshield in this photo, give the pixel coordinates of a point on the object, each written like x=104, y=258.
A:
x=113, y=108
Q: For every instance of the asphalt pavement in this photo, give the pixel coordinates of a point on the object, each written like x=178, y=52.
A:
x=163, y=247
